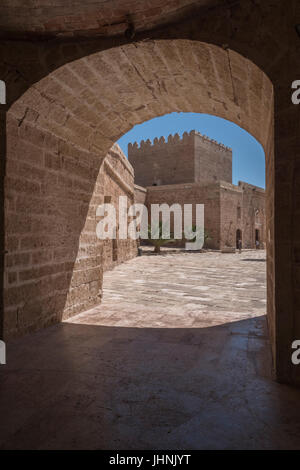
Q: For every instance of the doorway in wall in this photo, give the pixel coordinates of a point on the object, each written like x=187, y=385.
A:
x=238, y=237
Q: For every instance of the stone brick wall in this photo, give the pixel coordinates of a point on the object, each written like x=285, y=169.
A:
x=140, y=194
x=194, y=194
x=193, y=158
x=253, y=214
x=231, y=218
x=54, y=260
x=213, y=161
x=116, y=177
x=103, y=17
x=162, y=162
x=227, y=208
x=242, y=208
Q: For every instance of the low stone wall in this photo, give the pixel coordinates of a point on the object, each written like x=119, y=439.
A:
x=140, y=194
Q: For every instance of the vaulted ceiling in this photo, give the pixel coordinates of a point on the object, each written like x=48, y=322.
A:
x=95, y=100
x=93, y=17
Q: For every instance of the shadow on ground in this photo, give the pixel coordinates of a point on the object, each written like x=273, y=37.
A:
x=74, y=386
x=254, y=259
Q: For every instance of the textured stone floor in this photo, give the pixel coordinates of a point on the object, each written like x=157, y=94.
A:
x=180, y=290
x=176, y=357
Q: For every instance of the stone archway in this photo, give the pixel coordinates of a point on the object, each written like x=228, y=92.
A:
x=62, y=128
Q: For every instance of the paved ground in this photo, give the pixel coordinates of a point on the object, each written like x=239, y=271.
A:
x=183, y=290
x=176, y=357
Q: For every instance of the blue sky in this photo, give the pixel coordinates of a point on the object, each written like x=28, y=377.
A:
x=248, y=162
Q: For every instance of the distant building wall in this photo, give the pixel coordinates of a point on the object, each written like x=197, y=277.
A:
x=243, y=209
x=198, y=170
x=193, y=158
x=162, y=162
x=231, y=213
x=253, y=215
x=227, y=208
x=192, y=193
x=213, y=161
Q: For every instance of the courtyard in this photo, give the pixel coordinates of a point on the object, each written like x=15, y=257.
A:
x=176, y=356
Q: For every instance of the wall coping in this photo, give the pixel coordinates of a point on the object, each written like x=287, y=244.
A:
x=135, y=147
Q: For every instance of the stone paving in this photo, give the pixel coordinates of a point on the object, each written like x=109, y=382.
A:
x=182, y=290
x=176, y=357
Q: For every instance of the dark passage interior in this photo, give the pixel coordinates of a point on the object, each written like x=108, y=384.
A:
x=78, y=77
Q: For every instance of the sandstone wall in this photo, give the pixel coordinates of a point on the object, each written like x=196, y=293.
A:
x=231, y=199
x=242, y=208
x=254, y=214
x=162, y=162
x=116, y=177
x=54, y=260
x=140, y=194
x=213, y=161
x=192, y=194
x=227, y=208
x=194, y=158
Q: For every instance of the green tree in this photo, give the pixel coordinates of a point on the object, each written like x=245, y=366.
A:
x=158, y=239
x=206, y=235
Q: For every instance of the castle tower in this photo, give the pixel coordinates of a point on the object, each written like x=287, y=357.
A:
x=194, y=158
x=213, y=161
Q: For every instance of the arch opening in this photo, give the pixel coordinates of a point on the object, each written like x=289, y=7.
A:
x=222, y=167
x=59, y=135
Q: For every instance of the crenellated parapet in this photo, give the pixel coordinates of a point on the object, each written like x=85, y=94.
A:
x=208, y=140
x=162, y=143
x=192, y=157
